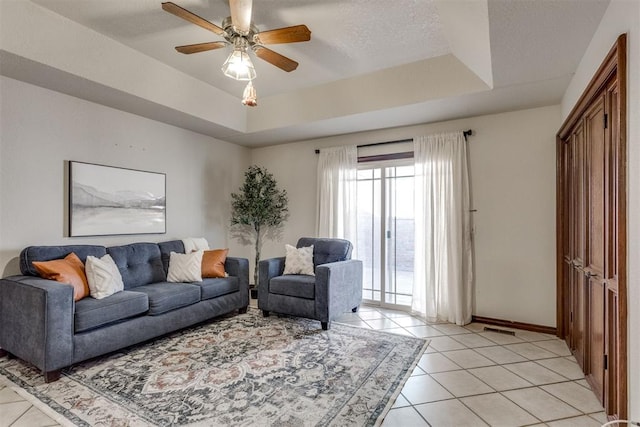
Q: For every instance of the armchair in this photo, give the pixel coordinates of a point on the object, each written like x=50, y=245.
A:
x=335, y=289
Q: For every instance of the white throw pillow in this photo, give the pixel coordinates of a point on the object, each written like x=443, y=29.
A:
x=103, y=276
x=299, y=260
x=192, y=244
x=185, y=267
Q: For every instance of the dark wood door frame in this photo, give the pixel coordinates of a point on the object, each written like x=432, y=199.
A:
x=614, y=66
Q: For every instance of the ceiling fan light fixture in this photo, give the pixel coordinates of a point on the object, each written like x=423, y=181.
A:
x=249, y=96
x=238, y=65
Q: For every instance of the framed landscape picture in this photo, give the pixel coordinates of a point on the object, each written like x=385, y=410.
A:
x=107, y=200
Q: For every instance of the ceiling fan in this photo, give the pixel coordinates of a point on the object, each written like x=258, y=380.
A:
x=239, y=31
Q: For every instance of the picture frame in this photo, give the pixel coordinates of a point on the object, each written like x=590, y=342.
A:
x=109, y=200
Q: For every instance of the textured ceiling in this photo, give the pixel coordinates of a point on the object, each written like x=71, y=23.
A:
x=370, y=64
x=545, y=39
x=348, y=37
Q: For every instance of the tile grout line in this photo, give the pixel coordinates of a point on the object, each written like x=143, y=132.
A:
x=527, y=359
x=519, y=388
x=590, y=415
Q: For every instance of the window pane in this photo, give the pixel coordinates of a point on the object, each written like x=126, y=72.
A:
x=397, y=236
x=404, y=170
x=400, y=239
x=368, y=236
x=365, y=174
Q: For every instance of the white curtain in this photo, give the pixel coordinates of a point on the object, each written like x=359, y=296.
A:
x=443, y=256
x=337, y=174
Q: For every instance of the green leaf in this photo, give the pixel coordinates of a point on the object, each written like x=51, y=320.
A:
x=260, y=205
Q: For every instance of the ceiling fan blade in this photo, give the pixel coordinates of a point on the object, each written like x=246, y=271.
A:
x=297, y=33
x=275, y=58
x=200, y=47
x=241, y=15
x=191, y=17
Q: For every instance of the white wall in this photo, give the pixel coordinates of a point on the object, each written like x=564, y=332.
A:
x=41, y=129
x=622, y=16
x=513, y=183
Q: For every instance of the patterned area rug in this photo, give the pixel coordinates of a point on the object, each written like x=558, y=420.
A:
x=242, y=370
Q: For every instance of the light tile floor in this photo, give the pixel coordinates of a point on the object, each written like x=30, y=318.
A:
x=472, y=377
x=467, y=377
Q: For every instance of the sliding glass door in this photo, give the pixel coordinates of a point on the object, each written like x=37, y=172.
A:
x=386, y=232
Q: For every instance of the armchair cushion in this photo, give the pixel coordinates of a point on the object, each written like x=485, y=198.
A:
x=327, y=250
x=301, y=286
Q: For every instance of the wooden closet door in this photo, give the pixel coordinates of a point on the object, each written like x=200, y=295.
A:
x=615, y=205
x=578, y=239
x=594, y=269
x=591, y=219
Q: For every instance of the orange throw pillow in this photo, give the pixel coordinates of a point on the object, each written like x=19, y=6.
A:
x=68, y=270
x=213, y=263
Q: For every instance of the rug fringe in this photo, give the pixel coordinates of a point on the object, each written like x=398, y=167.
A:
x=42, y=407
x=398, y=390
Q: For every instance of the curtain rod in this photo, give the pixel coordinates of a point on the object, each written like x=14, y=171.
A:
x=465, y=133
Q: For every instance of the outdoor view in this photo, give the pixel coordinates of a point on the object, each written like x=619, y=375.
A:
x=386, y=233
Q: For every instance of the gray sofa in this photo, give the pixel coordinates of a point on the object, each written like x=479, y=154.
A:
x=41, y=324
x=335, y=289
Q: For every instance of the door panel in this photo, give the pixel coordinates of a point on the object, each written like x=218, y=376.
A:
x=595, y=374
x=369, y=232
x=596, y=255
x=578, y=216
x=614, y=164
x=386, y=233
x=591, y=219
x=400, y=235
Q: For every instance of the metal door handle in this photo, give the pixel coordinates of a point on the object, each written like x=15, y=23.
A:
x=590, y=275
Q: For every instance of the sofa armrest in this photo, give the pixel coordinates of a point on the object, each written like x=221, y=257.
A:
x=267, y=270
x=36, y=318
x=338, y=288
x=239, y=267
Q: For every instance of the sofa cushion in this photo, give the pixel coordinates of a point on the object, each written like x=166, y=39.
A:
x=139, y=264
x=294, y=285
x=91, y=313
x=185, y=268
x=211, y=288
x=327, y=250
x=69, y=270
x=165, y=296
x=103, y=276
x=193, y=244
x=48, y=253
x=165, y=252
x=213, y=263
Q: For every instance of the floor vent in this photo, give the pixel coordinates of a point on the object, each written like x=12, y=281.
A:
x=500, y=331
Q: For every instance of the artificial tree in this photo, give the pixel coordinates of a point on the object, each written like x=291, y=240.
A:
x=258, y=210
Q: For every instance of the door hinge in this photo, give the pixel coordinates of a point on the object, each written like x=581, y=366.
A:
x=606, y=362
x=571, y=317
x=388, y=234
x=606, y=121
